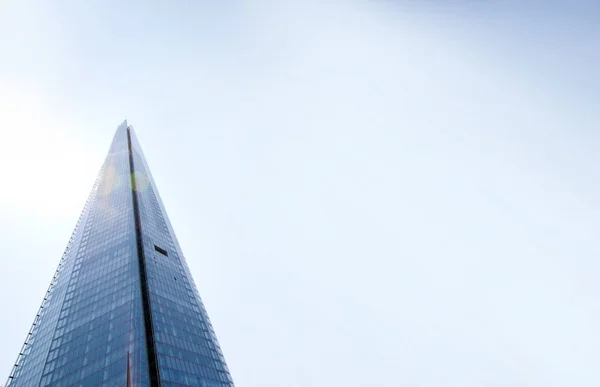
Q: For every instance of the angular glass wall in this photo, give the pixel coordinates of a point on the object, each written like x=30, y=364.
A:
x=188, y=352
x=87, y=327
x=122, y=308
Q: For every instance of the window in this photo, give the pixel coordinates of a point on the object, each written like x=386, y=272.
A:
x=162, y=251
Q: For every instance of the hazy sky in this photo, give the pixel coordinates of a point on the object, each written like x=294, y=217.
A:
x=368, y=193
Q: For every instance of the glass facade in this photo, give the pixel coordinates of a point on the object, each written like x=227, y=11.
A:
x=122, y=308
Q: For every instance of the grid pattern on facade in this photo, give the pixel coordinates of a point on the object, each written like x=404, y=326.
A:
x=30, y=362
x=92, y=327
x=86, y=326
x=188, y=351
x=96, y=329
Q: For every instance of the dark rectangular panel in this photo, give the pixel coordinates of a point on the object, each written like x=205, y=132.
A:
x=160, y=250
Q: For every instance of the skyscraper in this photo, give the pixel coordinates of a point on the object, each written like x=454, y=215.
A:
x=122, y=308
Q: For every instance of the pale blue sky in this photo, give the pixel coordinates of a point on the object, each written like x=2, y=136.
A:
x=368, y=193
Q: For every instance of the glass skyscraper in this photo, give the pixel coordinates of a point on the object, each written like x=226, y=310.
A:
x=122, y=308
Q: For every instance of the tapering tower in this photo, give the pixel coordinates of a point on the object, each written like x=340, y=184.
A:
x=122, y=308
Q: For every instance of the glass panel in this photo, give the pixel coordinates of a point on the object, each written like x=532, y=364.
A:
x=92, y=318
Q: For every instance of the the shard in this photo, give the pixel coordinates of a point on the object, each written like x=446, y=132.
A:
x=122, y=308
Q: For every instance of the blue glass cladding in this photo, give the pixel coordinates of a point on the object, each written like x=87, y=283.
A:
x=188, y=351
x=92, y=323
x=30, y=363
x=90, y=326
